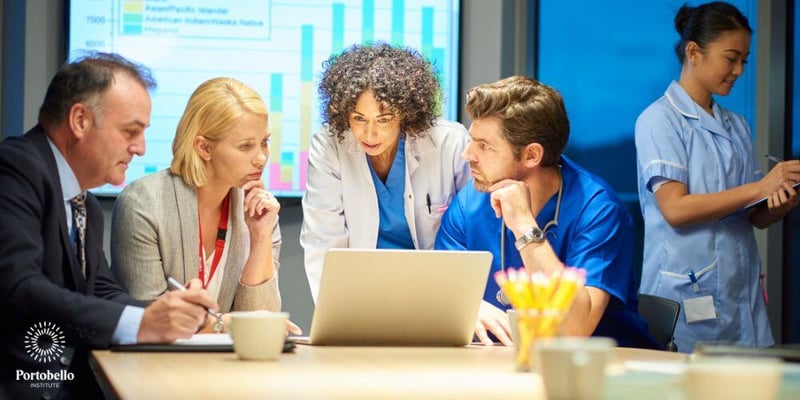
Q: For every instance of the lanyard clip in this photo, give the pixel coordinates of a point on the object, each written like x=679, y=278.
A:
x=693, y=279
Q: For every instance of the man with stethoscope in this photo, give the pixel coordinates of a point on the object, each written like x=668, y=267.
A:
x=530, y=206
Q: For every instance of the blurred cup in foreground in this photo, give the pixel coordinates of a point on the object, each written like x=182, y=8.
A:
x=258, y=335
x=574, y=367
x=720, y=377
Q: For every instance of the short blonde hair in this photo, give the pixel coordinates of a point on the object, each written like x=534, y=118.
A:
x=213, y=109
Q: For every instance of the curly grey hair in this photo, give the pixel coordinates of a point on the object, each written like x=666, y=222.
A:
x=400, y=79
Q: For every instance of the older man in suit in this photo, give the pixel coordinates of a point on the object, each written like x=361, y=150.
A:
x=58, y=299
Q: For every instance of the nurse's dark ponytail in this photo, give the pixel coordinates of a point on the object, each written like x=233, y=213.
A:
x=705, y=23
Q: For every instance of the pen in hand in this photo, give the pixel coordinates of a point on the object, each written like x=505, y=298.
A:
x=177, y=285
x=773, y=158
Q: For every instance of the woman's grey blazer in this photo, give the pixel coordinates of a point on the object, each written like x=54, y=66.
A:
x=154, y=235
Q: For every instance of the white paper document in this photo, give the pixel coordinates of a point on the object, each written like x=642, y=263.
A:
x=205, y=339
x=660, y=367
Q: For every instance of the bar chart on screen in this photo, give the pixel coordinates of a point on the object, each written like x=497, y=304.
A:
x=276, y=47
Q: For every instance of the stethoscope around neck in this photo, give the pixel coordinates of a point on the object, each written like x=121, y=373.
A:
x=552, y=223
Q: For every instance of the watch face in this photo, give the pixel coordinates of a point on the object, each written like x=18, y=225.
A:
x=538, y=235
x=535, y=235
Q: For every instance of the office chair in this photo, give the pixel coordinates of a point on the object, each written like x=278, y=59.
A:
x=661, y=315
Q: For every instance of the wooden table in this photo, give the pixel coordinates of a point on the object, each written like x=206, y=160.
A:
x=472, y=372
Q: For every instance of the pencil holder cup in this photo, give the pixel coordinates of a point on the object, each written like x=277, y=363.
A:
x=527, y=326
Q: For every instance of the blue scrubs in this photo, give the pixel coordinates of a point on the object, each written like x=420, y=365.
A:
x=594, y=232
x=711, y=268
x=393, y=230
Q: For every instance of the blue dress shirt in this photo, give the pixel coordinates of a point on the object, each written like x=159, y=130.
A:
x=131, y=317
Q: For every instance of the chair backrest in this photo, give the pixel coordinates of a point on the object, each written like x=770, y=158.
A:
x=661, y=315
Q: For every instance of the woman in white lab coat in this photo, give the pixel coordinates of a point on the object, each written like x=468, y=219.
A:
x=383, y=168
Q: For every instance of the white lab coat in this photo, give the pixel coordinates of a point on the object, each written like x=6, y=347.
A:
x=340, y=207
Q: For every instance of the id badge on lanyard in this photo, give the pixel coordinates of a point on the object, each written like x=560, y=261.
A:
x=698, y=304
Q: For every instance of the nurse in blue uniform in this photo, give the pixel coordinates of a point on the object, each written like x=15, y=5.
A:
x=531, y=206
x=696, y=173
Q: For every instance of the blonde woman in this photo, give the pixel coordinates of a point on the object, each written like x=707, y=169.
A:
x=208, y=216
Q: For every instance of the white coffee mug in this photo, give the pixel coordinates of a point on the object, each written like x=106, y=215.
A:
x=574, y=367
x=258, y=335
x=721, y=377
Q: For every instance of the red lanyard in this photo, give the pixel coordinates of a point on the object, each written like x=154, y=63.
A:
x=220, y=242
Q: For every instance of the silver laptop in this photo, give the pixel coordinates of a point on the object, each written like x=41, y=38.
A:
x=399, y=297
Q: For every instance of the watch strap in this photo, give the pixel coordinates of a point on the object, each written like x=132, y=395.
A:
x=534, y=235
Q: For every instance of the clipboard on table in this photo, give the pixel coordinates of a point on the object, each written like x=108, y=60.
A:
x=201, y=343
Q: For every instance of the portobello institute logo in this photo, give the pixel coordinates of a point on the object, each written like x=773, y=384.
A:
x=44, y=341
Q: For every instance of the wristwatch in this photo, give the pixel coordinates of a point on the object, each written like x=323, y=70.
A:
x=534, y=235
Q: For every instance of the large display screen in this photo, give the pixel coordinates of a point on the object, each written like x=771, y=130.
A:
x=276, y=47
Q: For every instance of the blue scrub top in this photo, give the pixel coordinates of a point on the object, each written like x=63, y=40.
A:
x=677, y=140
x=393, y=230
x=594, y=232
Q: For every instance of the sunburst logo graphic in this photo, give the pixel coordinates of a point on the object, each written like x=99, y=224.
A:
x=44, y=341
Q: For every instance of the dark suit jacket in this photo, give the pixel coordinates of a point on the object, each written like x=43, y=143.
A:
x=40, y=278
